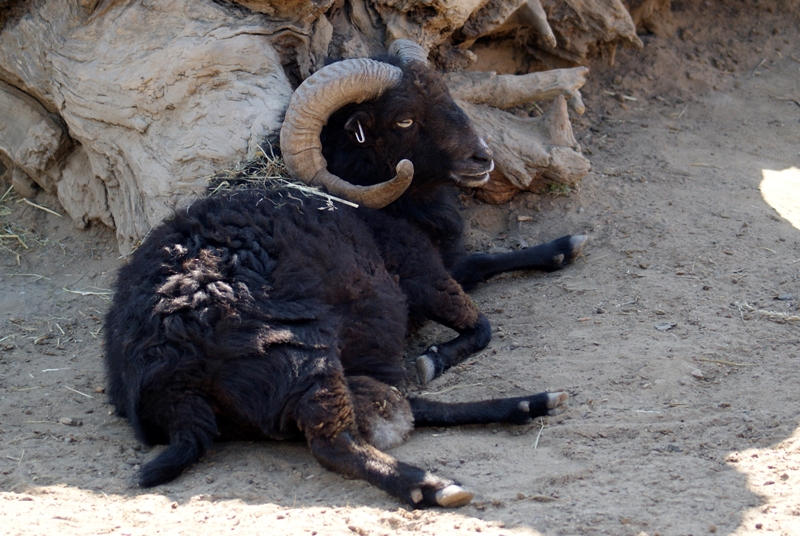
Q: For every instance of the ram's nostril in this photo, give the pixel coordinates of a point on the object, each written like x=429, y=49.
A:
x=484, y=154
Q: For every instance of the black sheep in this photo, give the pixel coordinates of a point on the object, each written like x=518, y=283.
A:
x=262, y=315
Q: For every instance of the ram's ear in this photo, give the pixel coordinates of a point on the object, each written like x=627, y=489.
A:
x=360, y=127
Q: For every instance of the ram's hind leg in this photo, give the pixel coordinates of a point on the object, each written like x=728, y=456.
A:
x=382, y=413
x=479, y=267
x=328, y=418
x=516, y=410
x=185, y=420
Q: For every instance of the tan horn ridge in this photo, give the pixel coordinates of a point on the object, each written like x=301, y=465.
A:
x=377, y=196
x=408, y=51
x=317, y=98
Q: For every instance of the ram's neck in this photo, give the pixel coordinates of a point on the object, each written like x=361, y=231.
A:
x=435, y=212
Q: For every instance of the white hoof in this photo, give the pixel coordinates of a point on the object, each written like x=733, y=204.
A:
x=426, y=370
x=577, y=242
x=453, y=496
x=557, y=403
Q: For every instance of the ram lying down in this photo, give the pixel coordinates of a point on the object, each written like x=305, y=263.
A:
x=259, y=315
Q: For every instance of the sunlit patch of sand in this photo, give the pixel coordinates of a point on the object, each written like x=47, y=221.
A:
x=781, y=190
x=65, y=510
x=774, y=474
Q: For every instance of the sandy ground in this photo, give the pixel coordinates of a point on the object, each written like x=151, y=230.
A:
x=677, y=336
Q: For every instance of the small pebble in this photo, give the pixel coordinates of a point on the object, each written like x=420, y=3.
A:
x=66, y=421
x=697, y=373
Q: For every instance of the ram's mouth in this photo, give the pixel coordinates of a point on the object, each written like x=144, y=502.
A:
x=471, y=178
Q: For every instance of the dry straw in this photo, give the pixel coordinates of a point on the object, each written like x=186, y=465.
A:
x=266, y=171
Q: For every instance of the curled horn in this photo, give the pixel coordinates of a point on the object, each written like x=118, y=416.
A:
x=321, y=94
x=408, y=51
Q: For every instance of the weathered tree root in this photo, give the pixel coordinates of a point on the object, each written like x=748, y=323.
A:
x=506, y=91
x=530, y=153
x=123, y=128
x=532, y=13
x=31, y=142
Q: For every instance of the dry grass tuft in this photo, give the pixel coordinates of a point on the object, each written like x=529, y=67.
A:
x=266, y=171
x=16, y=240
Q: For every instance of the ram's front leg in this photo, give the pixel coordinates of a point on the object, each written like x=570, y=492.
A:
x=515, y=410
x=327, y=417
x=452, y=307
x=479, y=267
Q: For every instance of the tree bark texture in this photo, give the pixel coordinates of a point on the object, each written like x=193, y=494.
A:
x=122, y=108
x=132, y=105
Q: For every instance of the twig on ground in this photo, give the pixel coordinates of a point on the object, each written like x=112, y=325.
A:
x=722, y=362
x=76, y=391
x=778, y=97
x=18, y=460
x=101, y=292
x=15, y=236
x=775, y=316
x=760, y=63
x=702, y=164
x=541, y=429
x=539, y=498
x=40, y=207
x=37, y=276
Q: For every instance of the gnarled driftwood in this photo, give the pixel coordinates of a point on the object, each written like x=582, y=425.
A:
x=122, y=108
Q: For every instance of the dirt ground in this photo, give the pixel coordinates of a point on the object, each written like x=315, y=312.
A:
x=677, y=336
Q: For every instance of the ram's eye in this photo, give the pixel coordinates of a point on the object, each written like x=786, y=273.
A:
x=405, y=123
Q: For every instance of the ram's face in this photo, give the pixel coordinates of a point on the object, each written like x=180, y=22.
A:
x=421, y=122
x=469, y=157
